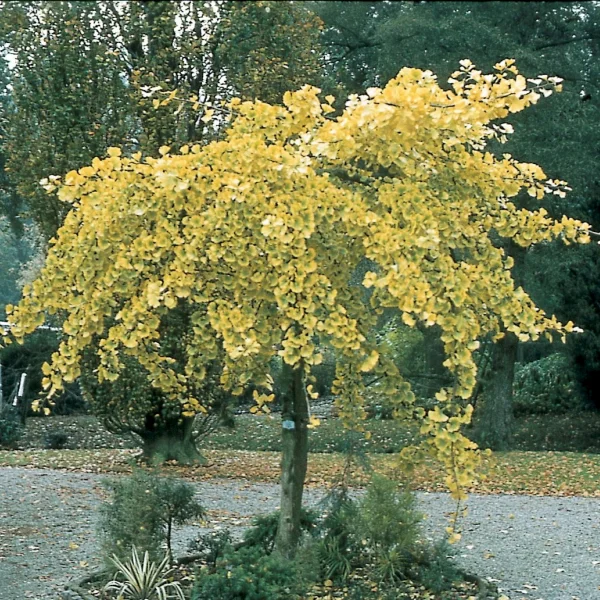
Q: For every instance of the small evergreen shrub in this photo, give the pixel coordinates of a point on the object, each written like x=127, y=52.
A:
x=11, y=427
x=56, y=440
x=212, y=546
x=250, y=574
x=337, y=544
x=264, y=530
x=380, y=532
x=546, y=386
x=390, y=524
x=376, y=540
x=438, y=571
x=143, y=511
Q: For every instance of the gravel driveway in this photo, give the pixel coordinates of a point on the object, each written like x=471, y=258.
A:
x=534, y=547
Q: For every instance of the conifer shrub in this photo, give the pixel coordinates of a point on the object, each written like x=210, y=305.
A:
x=56, y=440
x=264, y=530
x=377, y=539
x=249, y=573
x=142, y=514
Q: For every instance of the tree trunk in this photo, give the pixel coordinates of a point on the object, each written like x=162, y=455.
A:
x=173, y=440
x=495, y=415
x=494, y=425
x=434, y=361
x=294, y=461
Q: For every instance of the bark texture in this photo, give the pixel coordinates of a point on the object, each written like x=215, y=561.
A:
x=495, y=419
x=171, y=440
x=494, y=425
x=294, y=461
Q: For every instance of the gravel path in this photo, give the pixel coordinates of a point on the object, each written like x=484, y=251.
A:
x=535, y=548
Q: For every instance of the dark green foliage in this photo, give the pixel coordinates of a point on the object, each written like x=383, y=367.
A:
x=58, y=117
x=262, y=533
x=29, y=358
x=56, y=440
x=132, y=518
x=378, y=537
x=250, y=574
x=380, y=532
x=546, y=386
x=269, y=48
x=142, y=513
x=175, y=500
x=569, y=432
x=11, y=428
x=336, y=551
x=16, y=247
x=389, y=521
x=212, y=546
x=438, y=571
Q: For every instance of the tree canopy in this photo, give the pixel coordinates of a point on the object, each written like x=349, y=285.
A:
x=369, y=41
x=257, y=236
x=88, y=75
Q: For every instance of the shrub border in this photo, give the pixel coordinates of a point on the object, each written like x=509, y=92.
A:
x=75, y=590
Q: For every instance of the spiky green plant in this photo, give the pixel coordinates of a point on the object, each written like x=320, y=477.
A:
x=143, y=579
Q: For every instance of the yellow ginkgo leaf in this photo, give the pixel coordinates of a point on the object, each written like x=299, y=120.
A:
x=313, y=422
x=370, y=362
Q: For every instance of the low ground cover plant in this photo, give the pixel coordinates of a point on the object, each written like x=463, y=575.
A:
x=143, y=579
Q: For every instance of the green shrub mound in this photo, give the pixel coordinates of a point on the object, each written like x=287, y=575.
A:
x=380, y=532
x=11, y=427
x=262, y=533
x=56, y=440
x=378, y=539
x=249, y=573
x=546, y=386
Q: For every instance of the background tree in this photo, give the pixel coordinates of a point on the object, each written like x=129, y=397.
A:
x=268, y=48
x=67, y=104
x=258, y=237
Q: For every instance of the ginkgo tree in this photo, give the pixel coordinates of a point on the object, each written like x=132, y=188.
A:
x=256, y=237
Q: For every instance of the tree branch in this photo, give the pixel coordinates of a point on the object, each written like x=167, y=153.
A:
x=573, y=40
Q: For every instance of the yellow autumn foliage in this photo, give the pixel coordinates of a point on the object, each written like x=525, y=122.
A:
x=260, y=232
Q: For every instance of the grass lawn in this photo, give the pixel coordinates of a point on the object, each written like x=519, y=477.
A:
x=251, y=451
x=537, y=473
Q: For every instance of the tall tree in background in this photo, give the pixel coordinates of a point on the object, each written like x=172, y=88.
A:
x=369, y=41
x=268, y=48
x=67, y=103
x=87, y=76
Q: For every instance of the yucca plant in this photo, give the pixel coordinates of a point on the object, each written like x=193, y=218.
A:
x=143, y=579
